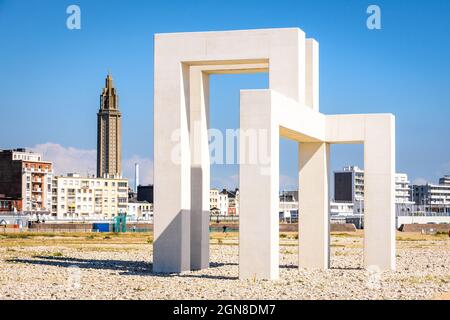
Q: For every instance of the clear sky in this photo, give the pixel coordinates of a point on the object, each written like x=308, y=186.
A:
x=51, y=77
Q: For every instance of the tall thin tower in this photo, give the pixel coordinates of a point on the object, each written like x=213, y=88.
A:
x=109, y=133
x=136, y=177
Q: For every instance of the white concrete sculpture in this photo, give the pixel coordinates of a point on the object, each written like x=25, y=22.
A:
x=289, y=108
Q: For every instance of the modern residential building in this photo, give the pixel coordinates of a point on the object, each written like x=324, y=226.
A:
x=26, y=179
x=139, y=209
x=233, y=202
x=109, y=133
x=445, y=180
x=434, y=197
x=349, y=186
x=214, y=201
x=403, y=192
x=223, y=202
x=218, y=202
x=288, y=205
x=89, y=197
x=341, y=209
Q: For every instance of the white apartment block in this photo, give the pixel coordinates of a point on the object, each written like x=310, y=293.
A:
x=213, y=200
x=341, y=208
x=223, y=203
x=435, y=196
x=218, y=202
x=402, y=189
x=139, y=209
x=88, y=197
x=349, y=186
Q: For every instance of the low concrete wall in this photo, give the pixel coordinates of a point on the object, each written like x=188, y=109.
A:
x=342, y=227
x=428, y=227
x=286, y=227
x=82, y=227
x=422, y=220
x=73, y=227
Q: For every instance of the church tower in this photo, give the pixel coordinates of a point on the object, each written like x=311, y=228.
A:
x=109, y=133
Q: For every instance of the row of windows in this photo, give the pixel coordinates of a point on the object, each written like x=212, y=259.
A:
x=85, y=207
x=97, y=183
x=97, y=191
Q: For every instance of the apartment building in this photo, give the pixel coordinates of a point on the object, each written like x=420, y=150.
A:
x=349, y=186
x=233, y=202
x=139, y=209
x=88, y=197
x=214, y=201
x=223, y=202
x=288, y=205
x=27, y=179
x=434, y=197
x=219, y=202
x=403, y=193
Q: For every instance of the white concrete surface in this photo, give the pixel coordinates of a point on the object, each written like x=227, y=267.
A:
x=314, y=220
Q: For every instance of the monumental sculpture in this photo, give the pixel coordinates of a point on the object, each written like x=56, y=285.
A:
x=289, y=108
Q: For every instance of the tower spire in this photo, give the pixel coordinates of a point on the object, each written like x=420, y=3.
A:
x=109, y=132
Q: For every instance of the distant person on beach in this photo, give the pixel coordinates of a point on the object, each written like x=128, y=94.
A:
x=224, y=228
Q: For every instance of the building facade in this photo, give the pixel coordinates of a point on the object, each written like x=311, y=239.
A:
x=26, y=179
x=288, y=207
x=445, y=180
x=214, y=201
x=219, y=202
x=233, y=202
x=89, y=197
x=139, y=209
x=403, y=193
x=349, y=186
x=433, y=197
x=223, y=202
x=109, y=133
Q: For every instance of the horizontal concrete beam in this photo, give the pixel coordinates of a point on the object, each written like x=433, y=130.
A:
x=351, y=128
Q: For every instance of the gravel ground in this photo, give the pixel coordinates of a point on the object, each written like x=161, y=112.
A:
x=124, y=272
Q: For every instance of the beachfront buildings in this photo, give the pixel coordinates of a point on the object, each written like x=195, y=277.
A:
x=88, y=197
x=433, y=197
x=25, y=181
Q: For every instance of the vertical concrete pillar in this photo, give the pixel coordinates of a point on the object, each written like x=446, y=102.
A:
x=379, y=192
x=172, y=166
x=259, y=184
x=312, y=74
x=200, y=168
x=313, y=200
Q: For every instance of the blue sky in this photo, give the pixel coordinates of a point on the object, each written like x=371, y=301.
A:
x=51, y=77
